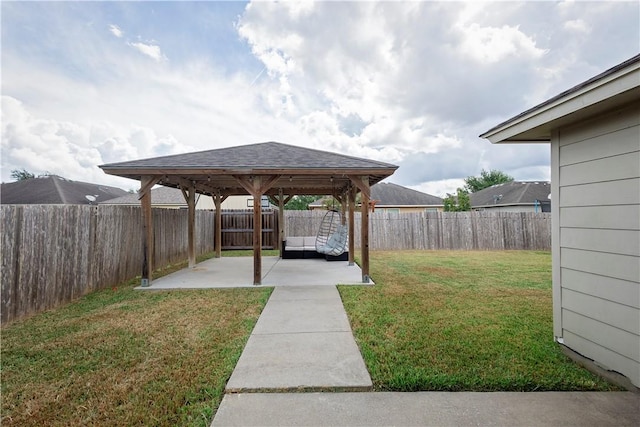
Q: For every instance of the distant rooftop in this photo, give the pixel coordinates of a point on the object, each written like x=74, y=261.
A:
x=396, y=195
x=56, y=190
x=389, y=194
x=512, y=193
x=159, y=196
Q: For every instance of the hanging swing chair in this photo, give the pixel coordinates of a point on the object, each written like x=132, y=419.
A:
x=332, y=235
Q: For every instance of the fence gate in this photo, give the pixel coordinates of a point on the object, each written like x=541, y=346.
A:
x=237, y=229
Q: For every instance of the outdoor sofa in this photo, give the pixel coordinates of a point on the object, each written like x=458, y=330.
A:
x=297, y=247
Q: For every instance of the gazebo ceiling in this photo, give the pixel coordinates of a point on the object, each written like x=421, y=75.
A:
x=292, y=169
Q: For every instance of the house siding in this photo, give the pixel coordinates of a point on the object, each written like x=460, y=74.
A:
x=596, y=165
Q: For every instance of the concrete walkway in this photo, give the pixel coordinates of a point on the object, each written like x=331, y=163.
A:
x=430, y=409
x=301, y=342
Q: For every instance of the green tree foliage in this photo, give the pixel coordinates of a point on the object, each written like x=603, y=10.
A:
x=300, y=203
x=21, y=175
x=459, y=202
x=486, y=179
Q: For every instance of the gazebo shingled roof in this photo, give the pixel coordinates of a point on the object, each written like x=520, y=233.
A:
x=301, y=170
x=270, y=168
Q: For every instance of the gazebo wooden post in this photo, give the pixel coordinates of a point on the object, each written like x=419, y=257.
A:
x=257, y=185
x=257, y=232
x=362, y=182
x=352, y=206
x=281, y=220
x=364, y=231
x=147, y=228
x=217, y=200
x=281, y=200
x=191, y=228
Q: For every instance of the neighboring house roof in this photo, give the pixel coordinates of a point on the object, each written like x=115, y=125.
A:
x=389, y=194
x=161, y=196
x=55, y=190
x=511, y=194
x=615, y=87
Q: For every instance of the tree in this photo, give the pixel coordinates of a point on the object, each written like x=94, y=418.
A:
x=486, y=179
x=21, y=175
x=300, y=203
x=459, y=202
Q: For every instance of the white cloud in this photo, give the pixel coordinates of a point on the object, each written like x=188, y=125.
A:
x=116, y=31
x=151, y=50
x=73, y=150
x=411, y=83
x=440, y=188
x=577, y=25
x=491, y=45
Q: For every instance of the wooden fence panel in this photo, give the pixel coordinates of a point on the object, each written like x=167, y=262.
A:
x=237, y=229
x=205, y=231
x=439, y=230
x=53, y=254
x=117, y=248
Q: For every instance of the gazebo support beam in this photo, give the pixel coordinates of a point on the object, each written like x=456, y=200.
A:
x=362, y=182
x=352, y=207
x=280, y=200
x=189, y=194
x=257, y=186
x=217, y=201
x=147, y=226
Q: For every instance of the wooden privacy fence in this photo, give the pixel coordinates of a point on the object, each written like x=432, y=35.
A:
x=481, y=230
x=237, y=229
x=52, y=254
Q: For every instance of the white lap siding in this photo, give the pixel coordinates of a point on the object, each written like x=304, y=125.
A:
x=597, y=239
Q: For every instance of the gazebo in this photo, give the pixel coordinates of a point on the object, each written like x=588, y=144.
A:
x=279, y=171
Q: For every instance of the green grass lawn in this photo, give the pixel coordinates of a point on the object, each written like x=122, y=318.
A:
x=434, y=321
x=123, y=357
x=454, y=320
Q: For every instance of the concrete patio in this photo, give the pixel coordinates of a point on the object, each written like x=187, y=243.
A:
x=236, y=272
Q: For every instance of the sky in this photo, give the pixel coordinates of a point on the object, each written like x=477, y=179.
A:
x=408, y=83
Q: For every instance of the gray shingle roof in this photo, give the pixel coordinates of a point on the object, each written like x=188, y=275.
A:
x=392, y=194
x=389, y=194
x=277, y=167
x=266, y=155
x=159, y=196
x=511, y=193
x=53, y=189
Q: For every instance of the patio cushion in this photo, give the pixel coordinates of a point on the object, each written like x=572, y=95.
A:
x=295, y=243
x=310, y=243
